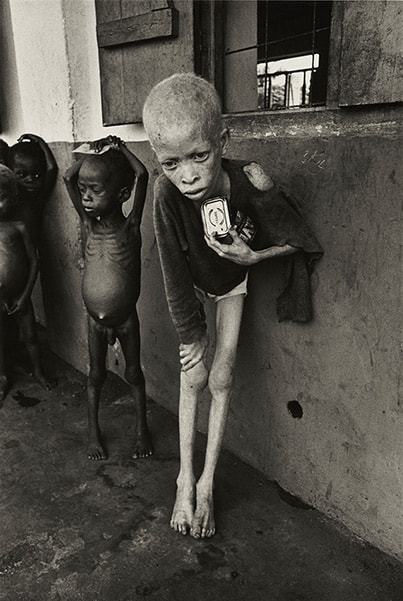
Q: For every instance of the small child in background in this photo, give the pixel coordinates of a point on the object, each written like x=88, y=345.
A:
x=35, y=169
x=3, y=153
x=182, y=117
x=98, y=185
x=18, y=271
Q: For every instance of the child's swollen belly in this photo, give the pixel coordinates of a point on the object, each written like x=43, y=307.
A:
x=109, y=294
x=13, y=276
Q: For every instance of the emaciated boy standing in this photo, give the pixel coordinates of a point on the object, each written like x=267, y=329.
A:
x=182, y=117
x=98, y=185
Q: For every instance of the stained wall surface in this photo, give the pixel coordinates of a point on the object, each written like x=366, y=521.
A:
x=343, y=455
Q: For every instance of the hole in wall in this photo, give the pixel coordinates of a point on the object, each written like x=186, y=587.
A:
x=295, y=409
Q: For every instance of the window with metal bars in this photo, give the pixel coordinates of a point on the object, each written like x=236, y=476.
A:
x=278, y=52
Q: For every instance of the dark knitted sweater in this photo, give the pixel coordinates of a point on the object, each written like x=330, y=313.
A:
x=187, y=261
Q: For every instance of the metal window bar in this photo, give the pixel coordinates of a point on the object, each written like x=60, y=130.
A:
x=266, y=79
x=266, y=82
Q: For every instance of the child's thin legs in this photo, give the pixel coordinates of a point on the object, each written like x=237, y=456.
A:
x=228, y=321
x=3, y=377
x=129, y=336
x=26, y=324
x=98, y=346
x=192, y=383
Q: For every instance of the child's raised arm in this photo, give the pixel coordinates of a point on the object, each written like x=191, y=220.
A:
x=51, y=165
x=33, y=270
x=71, y=181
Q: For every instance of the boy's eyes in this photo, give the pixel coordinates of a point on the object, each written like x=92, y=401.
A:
x=201, y=156
x=197, y=156
x=82, y=189
x=22, y=174
x=169, y=164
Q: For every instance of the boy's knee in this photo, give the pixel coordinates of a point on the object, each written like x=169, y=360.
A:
x=220, y=379
x=97, y=375
x=28, y=336
x=134, y=376
x=197, y=377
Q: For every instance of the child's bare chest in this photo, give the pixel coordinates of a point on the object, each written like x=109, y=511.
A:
x=113, y=246
x=10, y=240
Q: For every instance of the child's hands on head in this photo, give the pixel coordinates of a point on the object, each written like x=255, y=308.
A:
x=237, y=252
x=111, y=141
x=191, y=354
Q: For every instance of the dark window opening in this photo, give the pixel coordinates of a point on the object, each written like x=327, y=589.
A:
x=286, y=45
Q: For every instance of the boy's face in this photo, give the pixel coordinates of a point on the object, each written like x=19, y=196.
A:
x=100, y=194
x=29, y=174
x=192, y=161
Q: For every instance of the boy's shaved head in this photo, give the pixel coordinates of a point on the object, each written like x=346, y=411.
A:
x=115, y=166
x=28, y=150
x=183, y=99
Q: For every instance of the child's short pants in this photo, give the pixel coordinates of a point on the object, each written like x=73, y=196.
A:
x=241, y=288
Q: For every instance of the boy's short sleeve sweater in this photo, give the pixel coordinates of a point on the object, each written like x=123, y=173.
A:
x=187, y=261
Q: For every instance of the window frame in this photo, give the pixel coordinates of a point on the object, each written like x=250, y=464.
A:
x=210, y=17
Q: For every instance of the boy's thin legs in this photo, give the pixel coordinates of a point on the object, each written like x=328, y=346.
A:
x=26, y=324
x=129, y=336
x=192, y=383
x=98, y=346
x=228, y=321
x=3, y=377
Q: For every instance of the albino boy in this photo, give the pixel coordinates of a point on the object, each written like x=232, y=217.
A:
x=98, y=186
x=182, y=117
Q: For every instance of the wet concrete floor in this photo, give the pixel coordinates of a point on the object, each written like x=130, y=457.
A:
x=73, y=530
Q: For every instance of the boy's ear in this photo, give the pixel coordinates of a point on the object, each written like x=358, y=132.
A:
x=124, y=194
x=224, y=139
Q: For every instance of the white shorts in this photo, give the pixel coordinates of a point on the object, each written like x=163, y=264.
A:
x=241, y=288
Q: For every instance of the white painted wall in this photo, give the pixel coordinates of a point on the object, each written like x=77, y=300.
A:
x=55, y=91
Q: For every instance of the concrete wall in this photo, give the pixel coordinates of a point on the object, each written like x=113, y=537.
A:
x=344, y=455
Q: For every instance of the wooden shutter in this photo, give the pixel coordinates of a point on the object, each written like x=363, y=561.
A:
x=140, y=43
x=371, y=53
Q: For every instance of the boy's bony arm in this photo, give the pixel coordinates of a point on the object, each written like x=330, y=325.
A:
x=71, y=181
x=140, y=186
x=239, y=252
x=51, y=165
x=33, y=269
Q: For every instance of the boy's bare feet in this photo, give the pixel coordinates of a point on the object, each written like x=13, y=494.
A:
x=182, y=513
x=203, y=523
x=95, y=450
x=41, y=379
x=144, y=446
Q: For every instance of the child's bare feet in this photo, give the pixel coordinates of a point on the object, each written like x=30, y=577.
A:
x=95, y=450
x=182, y=513
x=42, y=380
x=3, y=387
x=144, y=446
x=203, y=523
